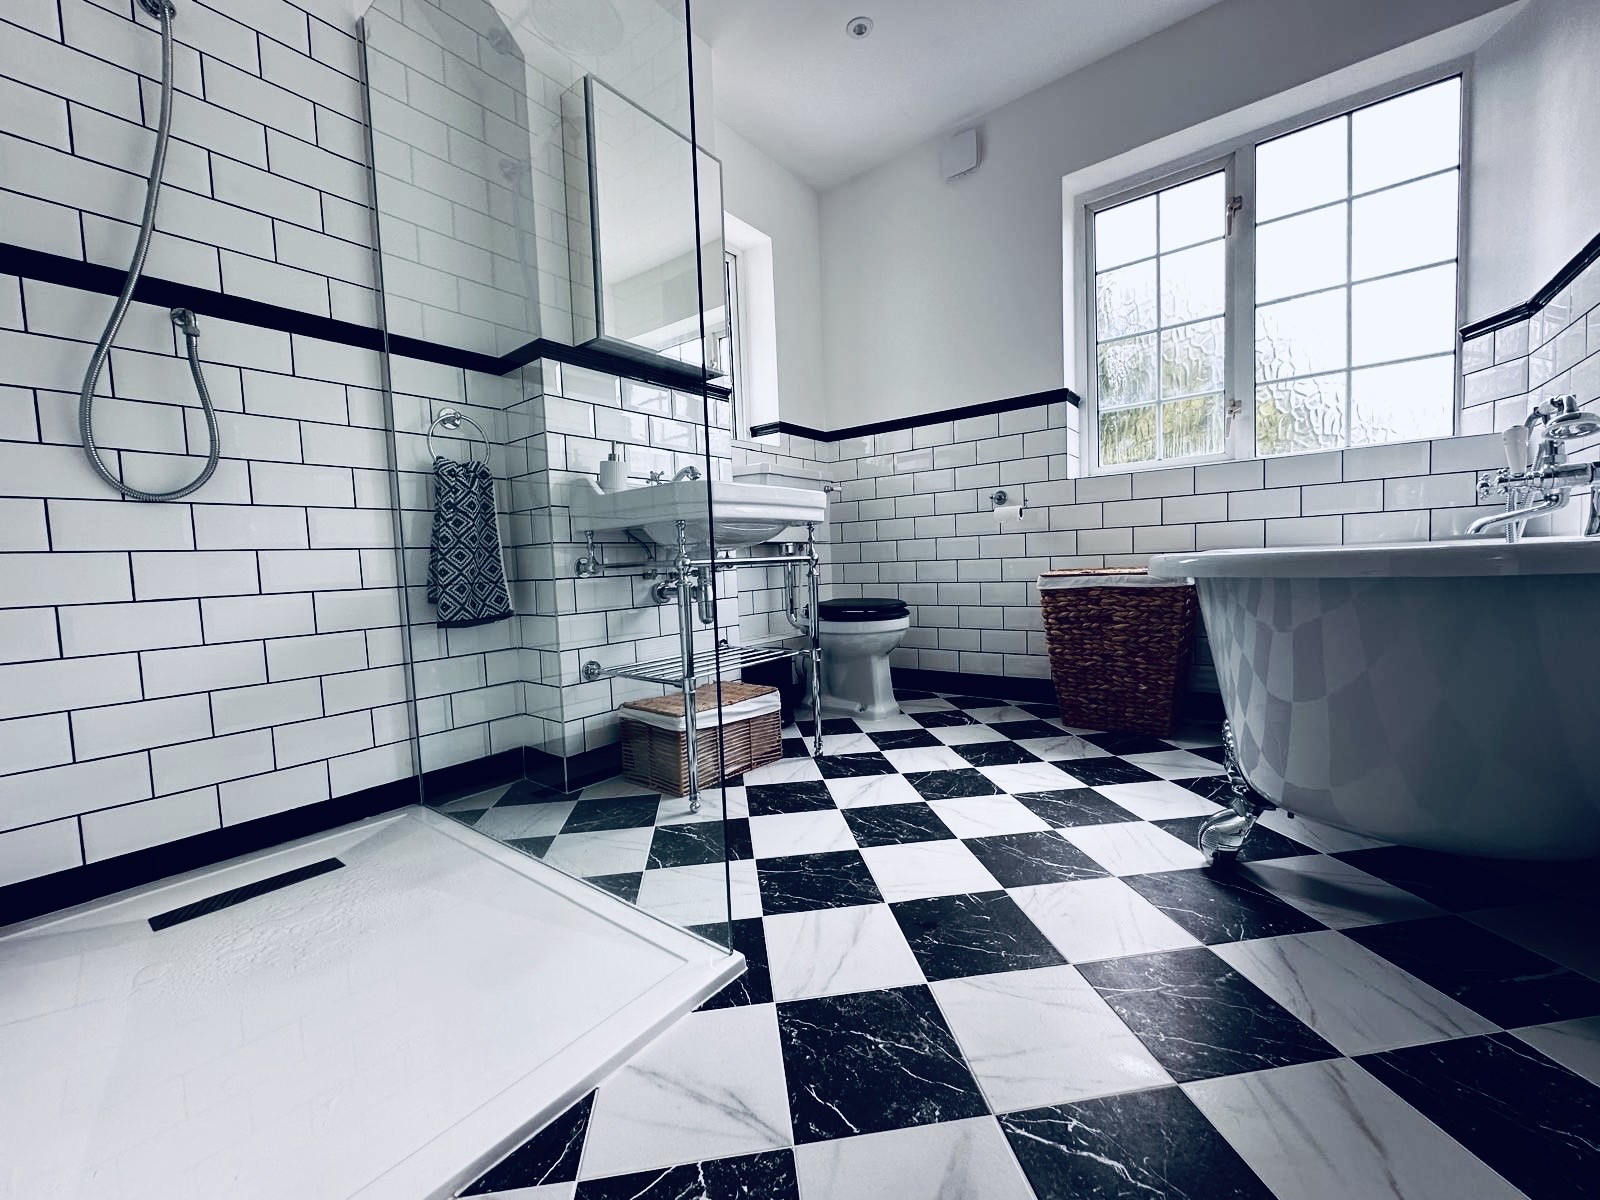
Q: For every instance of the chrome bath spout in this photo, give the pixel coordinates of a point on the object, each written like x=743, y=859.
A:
x=1513, y=519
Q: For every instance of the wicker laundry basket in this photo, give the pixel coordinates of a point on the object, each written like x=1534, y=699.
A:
x=1119, y=646
x=655, y=743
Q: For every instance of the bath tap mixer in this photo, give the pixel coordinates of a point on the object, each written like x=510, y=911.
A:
x=1538, y=480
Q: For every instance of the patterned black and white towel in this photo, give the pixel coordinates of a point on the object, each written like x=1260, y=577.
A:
x=466, y=576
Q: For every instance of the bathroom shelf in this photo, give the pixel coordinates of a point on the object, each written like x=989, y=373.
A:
x=704, y=669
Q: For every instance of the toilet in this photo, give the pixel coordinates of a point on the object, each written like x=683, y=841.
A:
x=857, y=636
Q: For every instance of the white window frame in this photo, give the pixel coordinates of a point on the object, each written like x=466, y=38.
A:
x=1237, y=158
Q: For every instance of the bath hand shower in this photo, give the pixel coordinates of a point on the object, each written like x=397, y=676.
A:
x=183, y=318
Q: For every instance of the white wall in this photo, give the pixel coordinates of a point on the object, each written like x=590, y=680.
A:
x=1534, y=187
x=940, y=294
x=761, y=193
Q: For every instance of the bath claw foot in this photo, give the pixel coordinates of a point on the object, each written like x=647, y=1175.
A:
x=1223, y=835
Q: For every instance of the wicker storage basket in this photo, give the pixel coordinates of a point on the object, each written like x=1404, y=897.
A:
x=655, y=745
x=1119, y=647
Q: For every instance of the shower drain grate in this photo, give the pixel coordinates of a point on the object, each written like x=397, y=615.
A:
x=238, y=895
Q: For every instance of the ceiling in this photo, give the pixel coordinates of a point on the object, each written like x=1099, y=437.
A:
x=828, y=107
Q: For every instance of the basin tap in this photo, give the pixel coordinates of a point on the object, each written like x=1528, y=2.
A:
x=686, y=473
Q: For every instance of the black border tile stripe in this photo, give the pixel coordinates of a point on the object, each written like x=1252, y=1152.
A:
x=1518, y=312
x=165, y=293
x=983, y=409
x=238, y=895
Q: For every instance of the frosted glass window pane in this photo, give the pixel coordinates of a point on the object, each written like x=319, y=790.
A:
x=1305, y=336
x=1407, y=226
x=1125, y=300
x=1193, y=212
x=1192, y=426
x=1408, y=136
x=1302, y=170
x=1301, y=254
x=1125, y=233
x=1128, y=372
x=1405, y=316
x=1191, y=358
x=1128, y=436
x=1403, y=401
x=1194, y=283
x=1300, y=415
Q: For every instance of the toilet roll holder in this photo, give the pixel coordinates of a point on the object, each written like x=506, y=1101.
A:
x=1001, y=497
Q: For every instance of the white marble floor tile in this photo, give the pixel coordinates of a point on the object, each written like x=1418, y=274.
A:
x=926, y=758
x=937, y=704
x=1330, y=1131
x=1573, y=1044
x=967, y=735
x=785, y=770
x=1561, y=931
x=547, y=1191
x=1003, y=712
x=608, y=789
x=952, y=1160
x=698, y=895
x=1067, y=746
x=674, y=810
x=1319, y=836
x=1360, y=1003
x=602, y=852
x=800, y=833
x=710, y=1086
x=1134, y=848
x=1029, y=777
x=829, y=951
x=1043, y=1037
x=1091, y=919
x=1175, y=764
x=525, y=820
x=1335, y=893
x=848, y=743
x=916, y=870
x=477, y=800
x=983, y=816
x=887, y=724
x=1193, y=737
x=864, y=791
x=1157, y=800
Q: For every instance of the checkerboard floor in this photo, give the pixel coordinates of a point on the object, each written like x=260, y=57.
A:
x=986, y=961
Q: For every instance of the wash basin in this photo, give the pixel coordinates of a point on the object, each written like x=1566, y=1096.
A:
x=746, y=514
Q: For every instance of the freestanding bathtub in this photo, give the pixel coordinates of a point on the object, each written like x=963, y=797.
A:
x=1435, y=694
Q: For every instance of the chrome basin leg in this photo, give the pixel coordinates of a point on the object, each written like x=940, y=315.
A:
x=1223, y=835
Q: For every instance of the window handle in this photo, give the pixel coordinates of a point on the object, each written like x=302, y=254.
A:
x=1233, y=409
x=1235, y=204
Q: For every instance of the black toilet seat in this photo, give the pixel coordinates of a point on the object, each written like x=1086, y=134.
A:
x=863, y=608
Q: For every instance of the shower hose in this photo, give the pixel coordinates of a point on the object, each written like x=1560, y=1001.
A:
x=183, y=318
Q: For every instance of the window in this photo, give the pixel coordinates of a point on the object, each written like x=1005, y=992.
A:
x=1335, y=243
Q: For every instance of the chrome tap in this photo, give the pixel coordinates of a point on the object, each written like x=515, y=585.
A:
x=1537, y=479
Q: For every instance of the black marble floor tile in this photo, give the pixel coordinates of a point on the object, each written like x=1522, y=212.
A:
x=689, y=844
x=1150, y=1145
x=796, y=748
x=1073, y=806
x=994, y=754
x=947, y=785
x=1503, y=981
x=1023, y=859
x=1041, y=710
x=736, y=836
x=978, y=702
x=802, y=882
x=979, y=934
x=549, y=1156
x=767, y=1176
x=769, y=799
x=904, y=694
x=1262, y=843
x=943, y=719
x=1451, y=882
x=1098, y=772
x=467, y=816
x=625, y=885
x=1128, y=743
x=1216, y=788
x=1023, y=730
x=1529, y=1118
x=525, y=791
x=748, y=936
x=1200, y=1017
x=895, y=824
x=866, y=1062
x=627, y=812
x=830, y=725
x=538, y=847
x=853, y=766
x=1216, y=906
x=903, y=739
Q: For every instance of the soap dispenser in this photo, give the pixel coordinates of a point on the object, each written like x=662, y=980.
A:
x=613, y=472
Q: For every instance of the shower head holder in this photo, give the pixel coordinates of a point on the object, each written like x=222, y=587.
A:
x=160, y=8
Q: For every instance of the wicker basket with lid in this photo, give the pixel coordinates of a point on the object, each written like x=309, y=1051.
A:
x=748, y=726
x=1119, y=646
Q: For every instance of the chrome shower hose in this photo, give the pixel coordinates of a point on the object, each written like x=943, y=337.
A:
x=181, y=317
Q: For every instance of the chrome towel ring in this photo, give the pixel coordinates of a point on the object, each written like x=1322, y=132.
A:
x=450, y=418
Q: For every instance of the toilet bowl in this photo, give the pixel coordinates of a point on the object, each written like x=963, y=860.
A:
x=857, y=636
